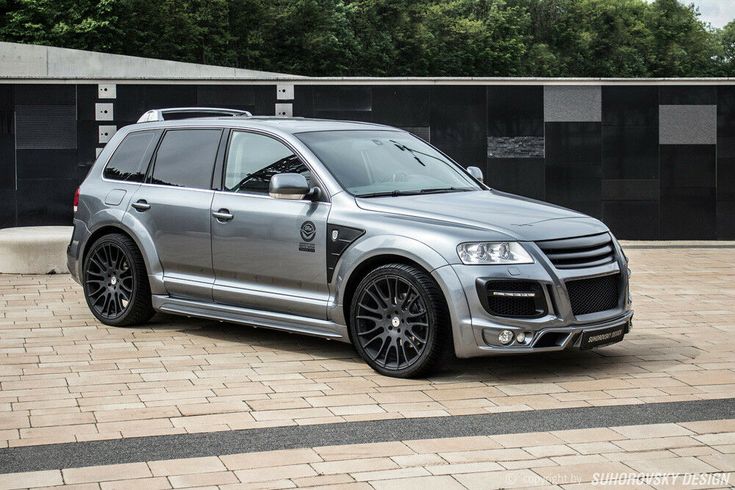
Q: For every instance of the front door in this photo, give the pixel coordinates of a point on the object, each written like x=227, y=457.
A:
x=268, y=254
x=174, y=206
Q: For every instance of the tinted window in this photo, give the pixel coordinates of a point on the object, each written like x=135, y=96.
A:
x=253, y=159
x=127, y=163
x=186, y=158
x=386, y=162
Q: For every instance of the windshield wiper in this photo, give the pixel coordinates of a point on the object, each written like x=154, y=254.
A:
x=416, y=192
x=445, y=189
x=392, y=193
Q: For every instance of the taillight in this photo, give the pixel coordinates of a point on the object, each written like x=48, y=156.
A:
x=76, y=199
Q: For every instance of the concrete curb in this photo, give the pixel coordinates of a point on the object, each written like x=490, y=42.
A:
x=34, y=249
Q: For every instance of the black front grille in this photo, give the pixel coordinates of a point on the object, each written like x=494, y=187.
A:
x=520, y=299
x=580, y=252
x=593, y=295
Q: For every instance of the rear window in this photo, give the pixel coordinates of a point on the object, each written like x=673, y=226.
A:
x=129, y=161
x=186, y=157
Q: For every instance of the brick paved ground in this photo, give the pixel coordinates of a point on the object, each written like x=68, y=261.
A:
x=66, y=378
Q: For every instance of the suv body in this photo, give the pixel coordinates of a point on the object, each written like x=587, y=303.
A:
x=217, y=212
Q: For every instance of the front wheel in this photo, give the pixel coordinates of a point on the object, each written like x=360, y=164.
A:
x=115, y=282
x=399, y=322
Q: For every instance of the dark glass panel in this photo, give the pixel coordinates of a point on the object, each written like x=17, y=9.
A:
x=185, y=158
x=129, y=161
x=515, y=110
x=524, y=176
x=632, y=220
x=573, y=143
x=402, y=105
x=630, y=106
x=688, y=166
x=46, y=164
x=630, y=152
x=45, y=94
x=45, y=201
x=687, y=94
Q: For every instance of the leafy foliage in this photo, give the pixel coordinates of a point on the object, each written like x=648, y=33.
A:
x=580, y=38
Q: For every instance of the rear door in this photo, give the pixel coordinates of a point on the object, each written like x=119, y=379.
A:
x=174, y=206
x=268, y=253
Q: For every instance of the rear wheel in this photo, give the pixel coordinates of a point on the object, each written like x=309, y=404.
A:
x=398, y=321
x=115, y=282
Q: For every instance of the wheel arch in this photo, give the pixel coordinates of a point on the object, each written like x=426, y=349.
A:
x=373, y=252
x=145, y=246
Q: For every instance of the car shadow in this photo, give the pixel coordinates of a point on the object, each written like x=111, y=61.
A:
x=622, y=359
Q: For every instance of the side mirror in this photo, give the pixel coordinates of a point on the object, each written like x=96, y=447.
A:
x=289, y=186
x=476, y=173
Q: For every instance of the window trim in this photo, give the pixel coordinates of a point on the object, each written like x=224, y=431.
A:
x=147, y=156
x=323, y=195
x=154, y=157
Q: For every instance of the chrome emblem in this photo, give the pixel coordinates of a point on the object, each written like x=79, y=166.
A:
x=335, y=234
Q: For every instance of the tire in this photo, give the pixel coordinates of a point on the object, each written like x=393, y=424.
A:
x=116, y=283
x=399, y=322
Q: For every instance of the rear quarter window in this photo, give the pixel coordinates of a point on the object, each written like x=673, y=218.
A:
x=185, y=158
x=130, y=162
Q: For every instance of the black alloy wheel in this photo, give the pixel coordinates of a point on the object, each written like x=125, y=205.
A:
x=399, y=321
x=115, y=282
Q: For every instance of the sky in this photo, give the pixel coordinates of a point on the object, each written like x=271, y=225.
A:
x=716, y=12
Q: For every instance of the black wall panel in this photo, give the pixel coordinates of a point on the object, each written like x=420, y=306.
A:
x=630, y=152
x=402, y=105
x=459, y=123
x=687, y=95
x=574, y=165
x=688, y=193
x=630, y=106
x=45, y=201
x=523, y=176
x=515, y=111
x=614, y=169
x=7, y=162
x=45, y=94
x=133, y=100
x=7, y=210
x=632, y=220
x=258, y=99
x=46, y=164
x=86, y=99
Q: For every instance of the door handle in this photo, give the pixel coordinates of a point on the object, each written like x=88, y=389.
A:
x=223, y=215
x=141, y=205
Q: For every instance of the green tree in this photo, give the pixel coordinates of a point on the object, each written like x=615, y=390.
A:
x=683, y=45
x=565, y=38
x=81, y=24
x=476, y=38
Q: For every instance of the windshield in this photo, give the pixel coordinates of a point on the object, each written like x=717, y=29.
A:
x=378, y=163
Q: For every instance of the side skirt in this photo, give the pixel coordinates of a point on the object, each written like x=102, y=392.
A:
x=247, y=316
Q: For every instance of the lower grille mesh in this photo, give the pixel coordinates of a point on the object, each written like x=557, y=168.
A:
x=593, y=295
x=515, y=299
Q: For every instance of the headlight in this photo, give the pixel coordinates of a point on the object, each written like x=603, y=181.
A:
x=493, y=253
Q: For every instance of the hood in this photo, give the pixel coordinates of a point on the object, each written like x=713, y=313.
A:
x=517, y=217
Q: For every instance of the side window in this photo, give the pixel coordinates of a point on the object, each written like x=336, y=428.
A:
x=253, y=159
x=186, y=157
x=128, y=162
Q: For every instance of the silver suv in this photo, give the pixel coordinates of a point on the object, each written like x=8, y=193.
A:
x=351, y=231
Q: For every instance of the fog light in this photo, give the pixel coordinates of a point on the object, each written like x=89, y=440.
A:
x=521, y=337
x=505, y=337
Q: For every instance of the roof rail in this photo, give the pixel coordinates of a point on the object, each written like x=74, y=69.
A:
x=158, y=114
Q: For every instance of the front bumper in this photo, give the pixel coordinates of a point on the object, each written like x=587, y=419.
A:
x=555, y=328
